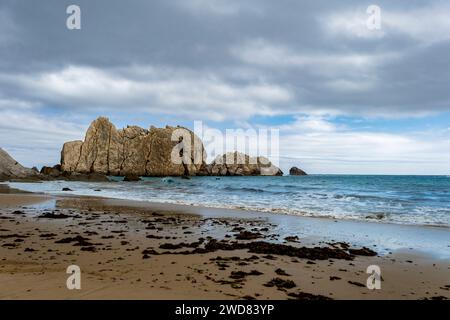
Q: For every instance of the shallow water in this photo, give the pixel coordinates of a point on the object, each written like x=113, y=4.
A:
x=384, y=238
x=415, y=200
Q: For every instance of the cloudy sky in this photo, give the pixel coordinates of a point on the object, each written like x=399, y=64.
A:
x=345, y=98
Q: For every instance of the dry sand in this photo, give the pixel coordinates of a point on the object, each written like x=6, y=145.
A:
x=113, y=237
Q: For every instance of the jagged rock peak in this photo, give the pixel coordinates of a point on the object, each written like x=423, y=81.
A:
x=130, y=151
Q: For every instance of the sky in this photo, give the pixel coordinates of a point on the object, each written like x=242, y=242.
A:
x=346, y=99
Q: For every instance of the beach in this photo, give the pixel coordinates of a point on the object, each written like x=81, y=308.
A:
x=142, y=250
x=171, y=151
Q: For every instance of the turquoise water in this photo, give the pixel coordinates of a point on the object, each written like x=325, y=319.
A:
x=417, y=200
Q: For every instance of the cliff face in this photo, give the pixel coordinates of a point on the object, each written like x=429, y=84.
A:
x=11, y=169
x=129, y=151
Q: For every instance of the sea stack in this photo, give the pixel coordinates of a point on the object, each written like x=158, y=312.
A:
x=136, y=152
x=132, y=151
x=294, y=171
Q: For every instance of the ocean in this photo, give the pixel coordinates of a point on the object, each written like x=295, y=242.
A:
x=412, y=200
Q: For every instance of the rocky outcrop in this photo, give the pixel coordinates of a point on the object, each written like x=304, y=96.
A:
x=131, y=178
x=294, y=171
x=239, y=164
x=11, y=169
x=56, y=173
x=132, y=151
x=70, y=155
x=135, y=152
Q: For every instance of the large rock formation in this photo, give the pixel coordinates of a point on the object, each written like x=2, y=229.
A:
x=294, y=171
x=53, y=172
x=11, y=169
x=132, y=151
x=135, y=152
x=239, y=164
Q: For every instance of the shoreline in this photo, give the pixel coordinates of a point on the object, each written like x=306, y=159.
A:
x=132, y=251
x=203, y=207
x=284, y=219
x=425, y=239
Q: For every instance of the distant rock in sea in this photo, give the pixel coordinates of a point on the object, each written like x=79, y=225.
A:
x=294, y=171
x=11, y=169
x=239, y=164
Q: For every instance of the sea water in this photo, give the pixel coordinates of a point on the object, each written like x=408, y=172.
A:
x=415, y=200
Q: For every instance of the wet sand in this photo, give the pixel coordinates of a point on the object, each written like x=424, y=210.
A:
x=133, y=250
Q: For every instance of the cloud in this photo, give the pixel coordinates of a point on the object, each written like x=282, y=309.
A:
x=218, y=7
x=231, y=63
x=308, y=124
x=434, y=26
x=319, y=145
x=427, y=24
x=16, y=104
x=351, y=85
x=265, y=53
x=351, y=23
x=8, y=29
x=340, y=71
x=341, y=150
x=34, y=139
x=151, y=90
x=284, y=52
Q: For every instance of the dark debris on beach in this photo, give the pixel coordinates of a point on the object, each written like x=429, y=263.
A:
x=178, y=235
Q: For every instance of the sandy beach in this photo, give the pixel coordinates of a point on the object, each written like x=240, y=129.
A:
x=136, y=250
x=170, y=151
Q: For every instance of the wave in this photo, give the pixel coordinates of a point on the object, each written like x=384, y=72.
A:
x=256, y=190
x=421, y=201
x=292, y=186
x=245, y=189
x=359, y=197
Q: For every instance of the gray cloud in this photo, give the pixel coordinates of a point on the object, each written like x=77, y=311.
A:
x=319, y=53
x=220, y=60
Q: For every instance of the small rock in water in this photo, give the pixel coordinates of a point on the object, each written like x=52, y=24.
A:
x=379, y=216
x=66, y=189
x=131, y=178
x=291, y=239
